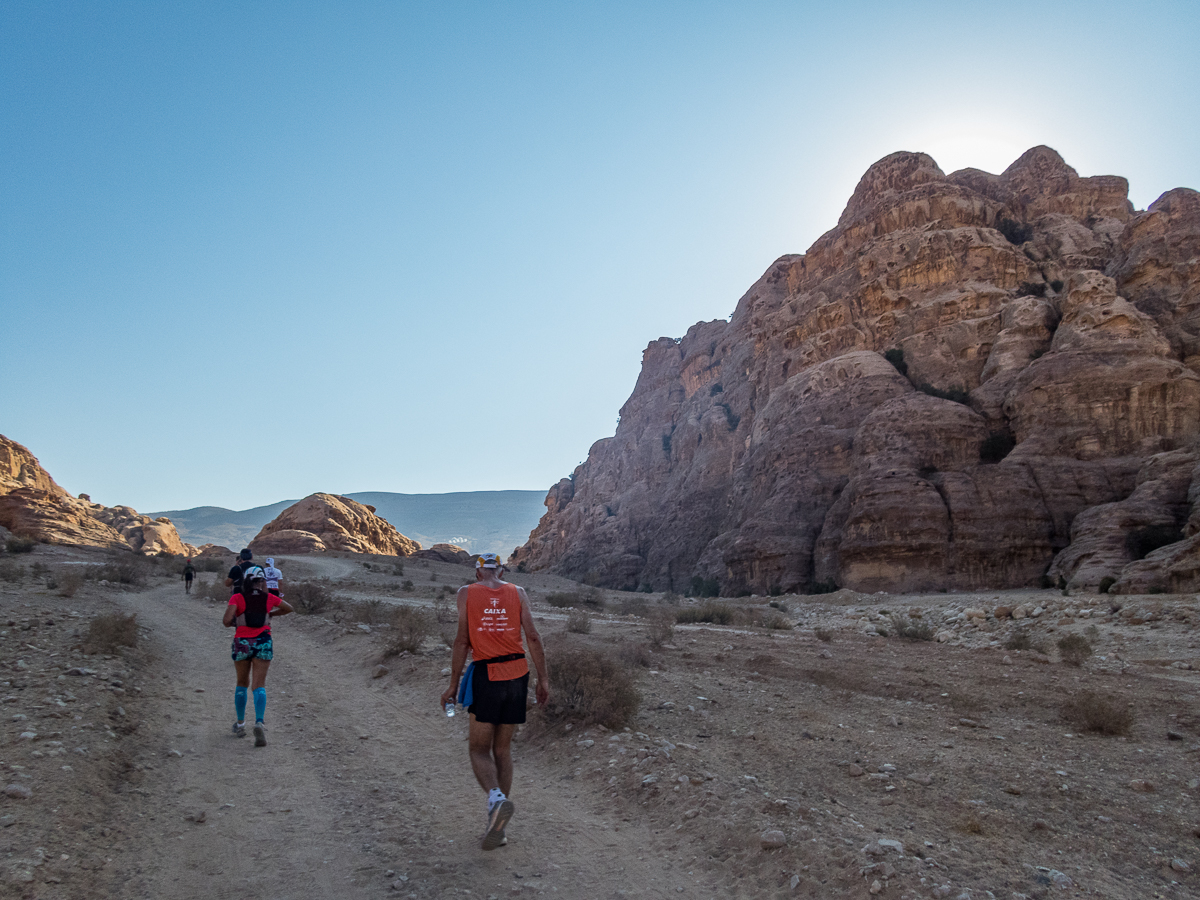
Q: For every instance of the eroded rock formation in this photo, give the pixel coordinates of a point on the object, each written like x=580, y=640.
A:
x=33, y=505
x=973, y=380
x=329, y=522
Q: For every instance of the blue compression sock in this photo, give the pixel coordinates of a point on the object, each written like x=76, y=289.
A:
x=260, y=703
x=239, y=703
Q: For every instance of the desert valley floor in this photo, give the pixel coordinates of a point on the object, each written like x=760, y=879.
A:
x=821, y=759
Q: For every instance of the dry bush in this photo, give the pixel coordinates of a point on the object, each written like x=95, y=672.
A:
x=125, y=572
x=69, y=584
x=579, y=622
x=712, y=611
x=213, y=590
x=971, y=822
x=409, y=628
x=1094, y=712
x=670, y=598
x=1019, y=639
x=108, y=632
x=444, y=610
x=823, y=634
x=635, y=655
x=590, y=688
x=369, y=612
x=770, y=619
x=578, y=599
x=311, y=598
x=1074, y=649
x=17, y=544
x=913, y=629
x=633, y=606
x=661, y=629
x=11, y=573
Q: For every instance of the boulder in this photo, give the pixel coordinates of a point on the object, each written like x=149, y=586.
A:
x=330, y=522
x=445, y=553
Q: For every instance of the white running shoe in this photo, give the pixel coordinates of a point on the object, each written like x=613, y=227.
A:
x=497, y=822
x=239, y=729
x=260, y=734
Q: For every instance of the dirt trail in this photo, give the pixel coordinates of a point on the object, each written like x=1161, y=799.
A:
x=364, y=788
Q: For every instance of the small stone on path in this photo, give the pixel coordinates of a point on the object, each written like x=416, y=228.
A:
x=773, y=840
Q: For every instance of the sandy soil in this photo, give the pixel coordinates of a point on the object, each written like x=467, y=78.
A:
x=958, y=761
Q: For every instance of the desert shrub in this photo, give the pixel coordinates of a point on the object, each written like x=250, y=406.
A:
x=633, y=606
x=670, y=598
x=17, y=544
x=1019, y=639
x=913, y=629
x=369, y=612
x=713, y=611
x=69, y=584
x=1143, y=541
x=444, y=610
x=406, y=585
x=579, y=622
x=770, y=619
x=1013, y=231
x=1074, y=649
x=108, y=632
x=40, y=570
x=310, y=598
x=705, y=587
x=578, y=599
x=823, y=634
x=215, y=590
x=398, y=569
x=970, y=822
x=779, y=605
x=590, y=688
x=1093, y=712
x=635, y=655
x=409, y=628
x=210, y=564
x=896, y=357
x=11, y=573
x=996, y=446
x=955, y=394
x=126, y=572
x=661, y=628
x=1106, y=582
x=1032, y=288
x=823, y=587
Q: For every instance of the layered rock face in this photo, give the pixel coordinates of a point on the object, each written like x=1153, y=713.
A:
x=328, y=522
x=974, y=380
x=32, y=504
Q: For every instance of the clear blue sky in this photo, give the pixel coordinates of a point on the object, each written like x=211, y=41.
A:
x=249, y=251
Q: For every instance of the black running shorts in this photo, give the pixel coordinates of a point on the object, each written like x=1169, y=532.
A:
x=498, y=702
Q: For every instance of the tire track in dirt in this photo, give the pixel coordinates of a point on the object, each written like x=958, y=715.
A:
x=360, y=778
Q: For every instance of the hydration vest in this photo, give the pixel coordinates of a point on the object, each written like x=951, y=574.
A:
x=255, y=615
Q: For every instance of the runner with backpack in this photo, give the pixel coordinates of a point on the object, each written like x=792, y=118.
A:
x=251, y=611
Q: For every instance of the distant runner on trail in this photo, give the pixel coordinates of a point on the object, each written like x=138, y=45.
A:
x=251, y=611
x=491, y=615
x=234, y=581
x=189, y=572
x=274, y=578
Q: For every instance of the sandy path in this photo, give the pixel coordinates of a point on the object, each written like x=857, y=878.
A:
x=364, y=786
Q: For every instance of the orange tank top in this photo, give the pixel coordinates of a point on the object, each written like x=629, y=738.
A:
x=494, y=621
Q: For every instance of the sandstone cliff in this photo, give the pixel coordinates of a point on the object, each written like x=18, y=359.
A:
x=33, y=505
x=974, y=380
x=328, y=522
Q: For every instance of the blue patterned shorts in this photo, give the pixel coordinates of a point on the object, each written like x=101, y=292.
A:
x=258, y=647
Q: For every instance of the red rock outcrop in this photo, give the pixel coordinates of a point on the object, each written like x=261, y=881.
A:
x=32, y=504
x=329, y=522
x=1042, y=344
x=445, y=553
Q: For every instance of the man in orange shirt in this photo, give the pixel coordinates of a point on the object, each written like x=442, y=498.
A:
x=491, y=616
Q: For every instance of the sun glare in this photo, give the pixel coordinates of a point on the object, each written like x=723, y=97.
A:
x=991, y=147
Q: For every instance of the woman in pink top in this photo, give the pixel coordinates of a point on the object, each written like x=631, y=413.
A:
x=251, y=612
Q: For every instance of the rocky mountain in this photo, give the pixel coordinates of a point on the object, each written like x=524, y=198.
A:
x=33, y=505
x=974, y=380
x=475, y=521
x=328, y=522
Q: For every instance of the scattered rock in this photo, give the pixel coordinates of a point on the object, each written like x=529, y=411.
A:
x=943, y=636
x=18, y=792
x=876, y=887
x=1180, y=866
x=825, y=654
x=364, y=628
x=380, y=671
x=1142, y=786
x=198, y=817
x=854, y=770
x=773, y=840
x=925, y=780
x=889, y=844
x=1007, y=661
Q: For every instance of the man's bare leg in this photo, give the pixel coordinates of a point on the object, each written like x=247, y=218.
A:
x=491, y=761
x=502, y=753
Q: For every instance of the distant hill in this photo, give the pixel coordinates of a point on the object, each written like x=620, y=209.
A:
x=477, y=521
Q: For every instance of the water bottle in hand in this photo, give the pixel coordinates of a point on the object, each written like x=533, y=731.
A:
x=450, y=710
